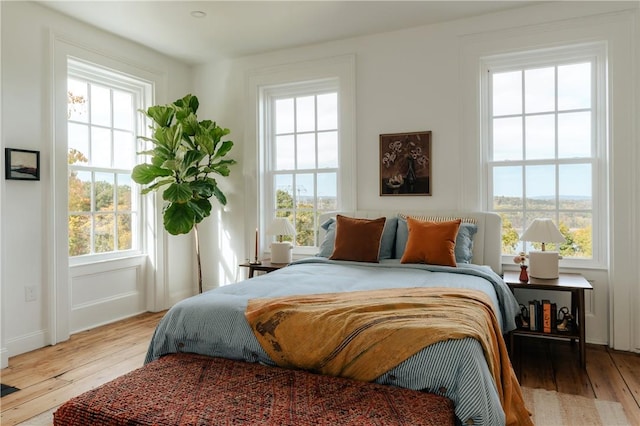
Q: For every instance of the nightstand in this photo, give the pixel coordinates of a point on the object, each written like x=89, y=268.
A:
x=574, y=283
x=265, y=266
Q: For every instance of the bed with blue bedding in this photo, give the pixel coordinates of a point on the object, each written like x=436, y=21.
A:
x=214, y=323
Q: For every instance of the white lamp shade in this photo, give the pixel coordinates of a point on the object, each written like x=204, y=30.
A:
x=281, y=226
x=542, y=231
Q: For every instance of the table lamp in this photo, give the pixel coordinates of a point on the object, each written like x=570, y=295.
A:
x=543, y=264
x=281, y=251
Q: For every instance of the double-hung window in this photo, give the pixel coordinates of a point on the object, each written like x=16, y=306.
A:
x=302, y=156
x=545, y=140
x=102, y=126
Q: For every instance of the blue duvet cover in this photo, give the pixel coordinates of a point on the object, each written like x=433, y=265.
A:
x=213, y=323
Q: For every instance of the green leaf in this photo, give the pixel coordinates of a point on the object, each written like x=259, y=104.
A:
x=178, y=193
x=204, y=188
x=178, y=218
x=205, y=142
x=220, y=196
x=201, y=208
x=193, y=157
x=162, y=115
x=160, y=183
x=224, y=149
x=170, y=165
x=147, y=173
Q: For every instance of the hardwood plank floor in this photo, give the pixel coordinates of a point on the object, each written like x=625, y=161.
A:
x=50, y=376
x=554, y=365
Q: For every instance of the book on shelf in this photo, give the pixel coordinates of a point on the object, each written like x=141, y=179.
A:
x=546, y=316
x=533, y=315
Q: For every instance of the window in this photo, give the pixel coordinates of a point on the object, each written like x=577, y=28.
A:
x=302, y=147
x=546, y=139
x=102, y=125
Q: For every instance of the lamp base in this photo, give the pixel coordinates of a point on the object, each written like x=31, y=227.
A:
x=281, y=252
x=543, y=264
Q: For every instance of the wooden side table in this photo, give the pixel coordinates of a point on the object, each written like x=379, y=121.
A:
x=265, y=266
x=574, y=283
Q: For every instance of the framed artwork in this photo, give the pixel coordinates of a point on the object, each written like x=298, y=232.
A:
x=21, y=164
x=405, y=163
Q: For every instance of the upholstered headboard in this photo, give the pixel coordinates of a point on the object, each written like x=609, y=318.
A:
x=487, y=243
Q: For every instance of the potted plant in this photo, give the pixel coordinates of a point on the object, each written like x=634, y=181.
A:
x=186, y=154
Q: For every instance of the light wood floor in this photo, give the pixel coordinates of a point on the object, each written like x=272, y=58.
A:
x=50, y=376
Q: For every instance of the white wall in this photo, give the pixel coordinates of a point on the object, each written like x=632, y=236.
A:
x=415, y=79
x=28, y=33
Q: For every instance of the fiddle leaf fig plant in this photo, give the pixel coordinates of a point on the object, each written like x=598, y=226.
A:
x=186, y=154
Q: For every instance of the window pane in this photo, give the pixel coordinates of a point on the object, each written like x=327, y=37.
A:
x=574, y=86
x=328, y=111
x=284, y=116
x=78, y=143
x=304, y=191
x=574, y=135
x=540, y=137
x=305, y=114
x=575, y=187
x=306, y=153
x=77, y=100
x=103, y=232
x=124, y=149
x=124, y=192
x=284, y=191
x=577, y=227
x=124, y=232
x=539, y=90
x=512, y=228
x=327, y=150
x=507, y=139
x=100, y=105
x=104, y=191
x=284, y=153
x=100, y=147
x=541, y=187
x=507, y=93
x=79, y=235
x=507, y=188
x=327, y=191
x=305, y=228
x=122, y=110
x=79, y=191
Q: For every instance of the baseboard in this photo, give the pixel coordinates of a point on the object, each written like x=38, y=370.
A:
x=4, y=358
x=27, y=343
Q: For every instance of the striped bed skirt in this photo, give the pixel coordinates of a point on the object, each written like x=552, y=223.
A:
x=188, y=389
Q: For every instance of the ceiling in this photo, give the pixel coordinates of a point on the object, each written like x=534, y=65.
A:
x=239, y=28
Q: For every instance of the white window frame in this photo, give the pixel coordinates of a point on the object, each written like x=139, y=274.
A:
x=595, y=52
x=142, y=92
x=270, y=96
x=261, y=82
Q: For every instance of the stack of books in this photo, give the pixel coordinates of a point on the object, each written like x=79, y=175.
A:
x=542, y=316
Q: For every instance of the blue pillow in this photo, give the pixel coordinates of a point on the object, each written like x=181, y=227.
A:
x=387, y=242
x=464, y=240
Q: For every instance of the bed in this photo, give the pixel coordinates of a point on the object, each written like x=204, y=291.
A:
x=216, y=323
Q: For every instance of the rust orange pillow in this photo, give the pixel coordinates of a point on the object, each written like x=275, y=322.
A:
x=431, y=242
x=357, y=240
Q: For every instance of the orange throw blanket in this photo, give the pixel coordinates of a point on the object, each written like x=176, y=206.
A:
x=362, y=334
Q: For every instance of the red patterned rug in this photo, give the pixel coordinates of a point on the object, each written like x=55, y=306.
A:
x=187, y=389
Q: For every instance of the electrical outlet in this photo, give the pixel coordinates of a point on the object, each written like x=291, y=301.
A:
x=30, y=294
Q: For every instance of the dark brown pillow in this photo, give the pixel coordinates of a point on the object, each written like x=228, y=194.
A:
x=431, y=242
x=357, y=240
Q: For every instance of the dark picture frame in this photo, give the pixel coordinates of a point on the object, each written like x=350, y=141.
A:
x=21, y=164
x=405, y=163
